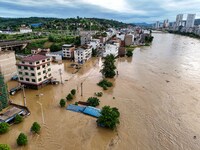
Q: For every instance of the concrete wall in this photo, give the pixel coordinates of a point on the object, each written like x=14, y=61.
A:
x=8, y=64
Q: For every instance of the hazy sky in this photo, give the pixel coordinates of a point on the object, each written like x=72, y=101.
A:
x=122, y=10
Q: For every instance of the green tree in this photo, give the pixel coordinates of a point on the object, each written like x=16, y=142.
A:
x=69, y=97
x=62, y=103
x=35, y=128
x=93, y=101
x=129, y=53
x=55, y=47
x=109, y=117
x=109, y=67
x=94, y=52
x=73, y=91
x=22, y=139
x=4, y=127
x=18, y=119
x=4, y=147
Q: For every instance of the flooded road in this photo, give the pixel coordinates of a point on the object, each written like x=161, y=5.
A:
x=157, y=93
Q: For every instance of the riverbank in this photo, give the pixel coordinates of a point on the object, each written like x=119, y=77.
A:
x=192, y=35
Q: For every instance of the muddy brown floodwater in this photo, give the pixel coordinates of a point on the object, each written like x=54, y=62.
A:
x=157, y=93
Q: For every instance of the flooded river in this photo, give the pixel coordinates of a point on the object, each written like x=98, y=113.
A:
x=157, y=93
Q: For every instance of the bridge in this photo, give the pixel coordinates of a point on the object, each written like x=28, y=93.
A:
x=13, y=45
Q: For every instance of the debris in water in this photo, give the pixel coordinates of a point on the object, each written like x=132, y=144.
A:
x=167, y=81
x=194, y=137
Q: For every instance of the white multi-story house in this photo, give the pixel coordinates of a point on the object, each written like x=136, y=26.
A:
x=68, y=51
x=95, y=43
x=34, y=71
x=83, y=53
x=24, y=29
x=111, y=49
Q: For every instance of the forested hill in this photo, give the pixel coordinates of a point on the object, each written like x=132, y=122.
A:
x=59, y=24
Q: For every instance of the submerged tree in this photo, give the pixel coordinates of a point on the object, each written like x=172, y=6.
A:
x=4, y=127
x=22, y=139
x=35, y=127
x=109, y=117
x=4, y=147
x=109, y=67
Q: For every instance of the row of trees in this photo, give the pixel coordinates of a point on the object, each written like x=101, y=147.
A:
x=69, y=97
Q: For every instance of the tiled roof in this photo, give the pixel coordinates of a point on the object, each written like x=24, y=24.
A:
x=34, y=58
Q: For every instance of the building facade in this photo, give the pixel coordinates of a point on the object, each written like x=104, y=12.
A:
x=82, y=54
x=179, y=20
x=7, y=64
x=111, y=49
x=190, y=20
x=68, y=51
x=24, y=29
x=34, y=71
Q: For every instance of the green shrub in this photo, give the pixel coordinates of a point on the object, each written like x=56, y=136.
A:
x=104, y=84
x=73, y=91
x=22, y=139
x=35, y=127
x=4, y=147
x=4, y=127
x=129, y=53
x=18, y=119
x=93, y=101
x=76, y=103
x=109, y=117
x=62, y=103
x=98, y=94
x=69, y=97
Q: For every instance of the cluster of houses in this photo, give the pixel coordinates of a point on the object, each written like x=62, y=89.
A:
x=35, y=70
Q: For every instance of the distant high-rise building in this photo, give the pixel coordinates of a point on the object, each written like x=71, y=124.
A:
x=179, y=19
x=190, y=20
x=166, y=23
x=157, y=25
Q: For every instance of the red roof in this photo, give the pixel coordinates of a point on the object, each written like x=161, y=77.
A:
x=34, y=58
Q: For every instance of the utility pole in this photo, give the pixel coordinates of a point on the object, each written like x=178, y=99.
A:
x=81, y=88
x=24, y=96
x=60, y=76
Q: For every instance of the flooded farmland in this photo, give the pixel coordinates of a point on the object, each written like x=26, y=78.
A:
x=157, y=93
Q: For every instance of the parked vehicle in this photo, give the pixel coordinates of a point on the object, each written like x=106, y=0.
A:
x=15, y=78
x=54, y=81
x=15, y=89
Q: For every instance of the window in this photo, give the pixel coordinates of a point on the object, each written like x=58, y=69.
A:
x=37, y=62
x=39, y=73
x=40, y=79
x=49, y=74
x=38, y=68
x=43, y=66
x=27, y=79
x=21, y=78
x=44, y=71
x=30, y=63
x=26, y=73
x=49, y=69
x=33, y=80
x=23, y=62
x=45, y=77
x=20, y=72
x=43, y=60
x=48, y=64
x=26, y=68
x=31, y=68
x=32, y=74
x=19, y=67
x=48, y=59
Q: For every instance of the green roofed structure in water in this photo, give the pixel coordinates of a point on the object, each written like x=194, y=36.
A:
x=3, y=93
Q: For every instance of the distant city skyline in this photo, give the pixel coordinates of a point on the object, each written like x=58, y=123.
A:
x=128, y=11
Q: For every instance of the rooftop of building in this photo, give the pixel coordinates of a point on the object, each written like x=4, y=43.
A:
x=34, y=58
x=3, y=52
x=68, y=45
